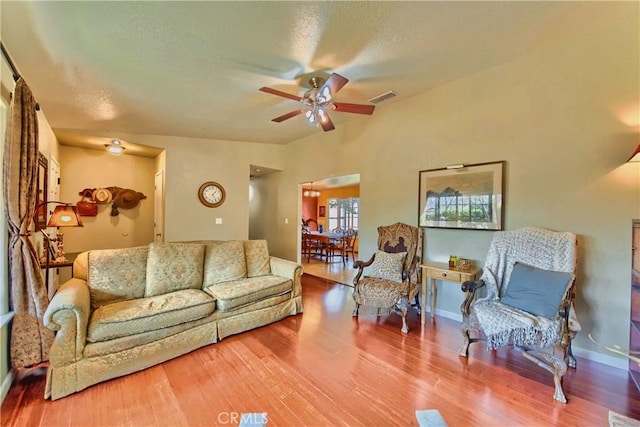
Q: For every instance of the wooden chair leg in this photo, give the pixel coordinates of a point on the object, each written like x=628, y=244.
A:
x=571, y=360
x=404, y=309
x=558, y=392
x=405, y=328
x=464, y=350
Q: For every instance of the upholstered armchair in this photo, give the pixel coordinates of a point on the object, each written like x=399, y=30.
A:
x=528, y=285
x=390, y=279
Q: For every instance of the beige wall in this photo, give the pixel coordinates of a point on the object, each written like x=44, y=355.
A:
x=188, y=163
x=565, y=119
x=86, y=168
x=263, y=195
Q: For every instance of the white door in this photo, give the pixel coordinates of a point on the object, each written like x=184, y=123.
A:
x=54, y=183
x=53, y=195
x=158, y=208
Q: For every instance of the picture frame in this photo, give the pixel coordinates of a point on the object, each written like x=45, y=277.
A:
x=462, y=197
x=322, y=211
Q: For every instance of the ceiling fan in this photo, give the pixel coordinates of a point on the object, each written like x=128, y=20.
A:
x=317, y=101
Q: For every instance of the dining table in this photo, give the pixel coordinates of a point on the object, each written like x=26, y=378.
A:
x=324, y=239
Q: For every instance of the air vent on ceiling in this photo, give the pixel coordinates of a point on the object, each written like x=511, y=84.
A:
x=383, y=97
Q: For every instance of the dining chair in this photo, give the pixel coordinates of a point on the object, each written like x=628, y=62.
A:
x=310, y=246
x=335, y=246
x=349, y=245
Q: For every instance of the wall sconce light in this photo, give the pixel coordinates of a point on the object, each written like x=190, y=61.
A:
x=115, y=147
x=635, y=157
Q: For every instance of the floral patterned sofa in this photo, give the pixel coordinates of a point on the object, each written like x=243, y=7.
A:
x=127, y=309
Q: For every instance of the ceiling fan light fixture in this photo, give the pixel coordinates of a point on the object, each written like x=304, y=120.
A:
x=317, y=102
x=311, y=116
x=115, y=147
x=322, y=115
x=325, y=94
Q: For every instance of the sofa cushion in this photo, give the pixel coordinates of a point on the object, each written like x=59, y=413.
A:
x=116, y=274
x=256, y=253
x=535, y=290
x=125, y=318
x=81, y=266
x=174, y=266
x=232, y=295
x=223, y=262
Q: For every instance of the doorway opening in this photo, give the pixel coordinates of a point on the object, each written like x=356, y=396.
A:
x=329, y=227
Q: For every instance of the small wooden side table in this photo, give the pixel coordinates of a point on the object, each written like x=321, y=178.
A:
x=441, y=271
x=54, y=264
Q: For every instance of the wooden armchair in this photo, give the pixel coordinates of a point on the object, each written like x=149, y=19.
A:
x=528, y=284
x=393, y=273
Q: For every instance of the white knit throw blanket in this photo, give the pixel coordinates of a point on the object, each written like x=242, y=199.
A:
x=505, y=325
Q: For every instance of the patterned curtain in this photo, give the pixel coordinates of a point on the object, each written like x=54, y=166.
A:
x=30, y=340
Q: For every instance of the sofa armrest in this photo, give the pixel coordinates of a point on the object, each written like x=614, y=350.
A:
x=68, y=314
x=289, y=269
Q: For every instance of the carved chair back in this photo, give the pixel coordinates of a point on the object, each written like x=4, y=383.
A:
x=400, y=237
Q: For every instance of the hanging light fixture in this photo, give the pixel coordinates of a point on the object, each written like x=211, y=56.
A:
x=115, y=147
x=311, y=193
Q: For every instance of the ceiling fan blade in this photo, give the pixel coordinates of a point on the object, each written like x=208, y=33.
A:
x=287, y=116
x=325, y=122
x=280, y=93
x=345, y=107
x=334, y=83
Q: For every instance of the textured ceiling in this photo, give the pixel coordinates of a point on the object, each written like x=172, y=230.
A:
x=194, y=68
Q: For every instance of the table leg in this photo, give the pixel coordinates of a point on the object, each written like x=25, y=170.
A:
x=423, y=299
x=433, y=297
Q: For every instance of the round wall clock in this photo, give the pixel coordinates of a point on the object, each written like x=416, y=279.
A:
x=211, y=194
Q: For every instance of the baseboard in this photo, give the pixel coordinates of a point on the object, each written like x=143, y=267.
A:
x=594, y=356
x=448, y=314
x=6, y=385
x=605, y=359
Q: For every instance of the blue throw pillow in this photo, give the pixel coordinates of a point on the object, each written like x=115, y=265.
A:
x=535, y=290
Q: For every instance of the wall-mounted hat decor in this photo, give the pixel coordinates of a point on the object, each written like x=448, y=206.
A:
x=102, y=195
x=127, y=198
x=124, y=198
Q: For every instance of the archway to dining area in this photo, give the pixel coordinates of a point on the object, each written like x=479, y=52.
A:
x=329, y=227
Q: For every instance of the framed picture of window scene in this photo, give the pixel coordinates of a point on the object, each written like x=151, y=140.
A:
x=463, y=197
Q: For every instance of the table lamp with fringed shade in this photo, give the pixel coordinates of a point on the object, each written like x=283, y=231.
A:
x=63, y=215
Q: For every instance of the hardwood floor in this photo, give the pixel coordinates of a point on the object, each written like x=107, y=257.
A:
x=336, y=271
x=326, y=368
